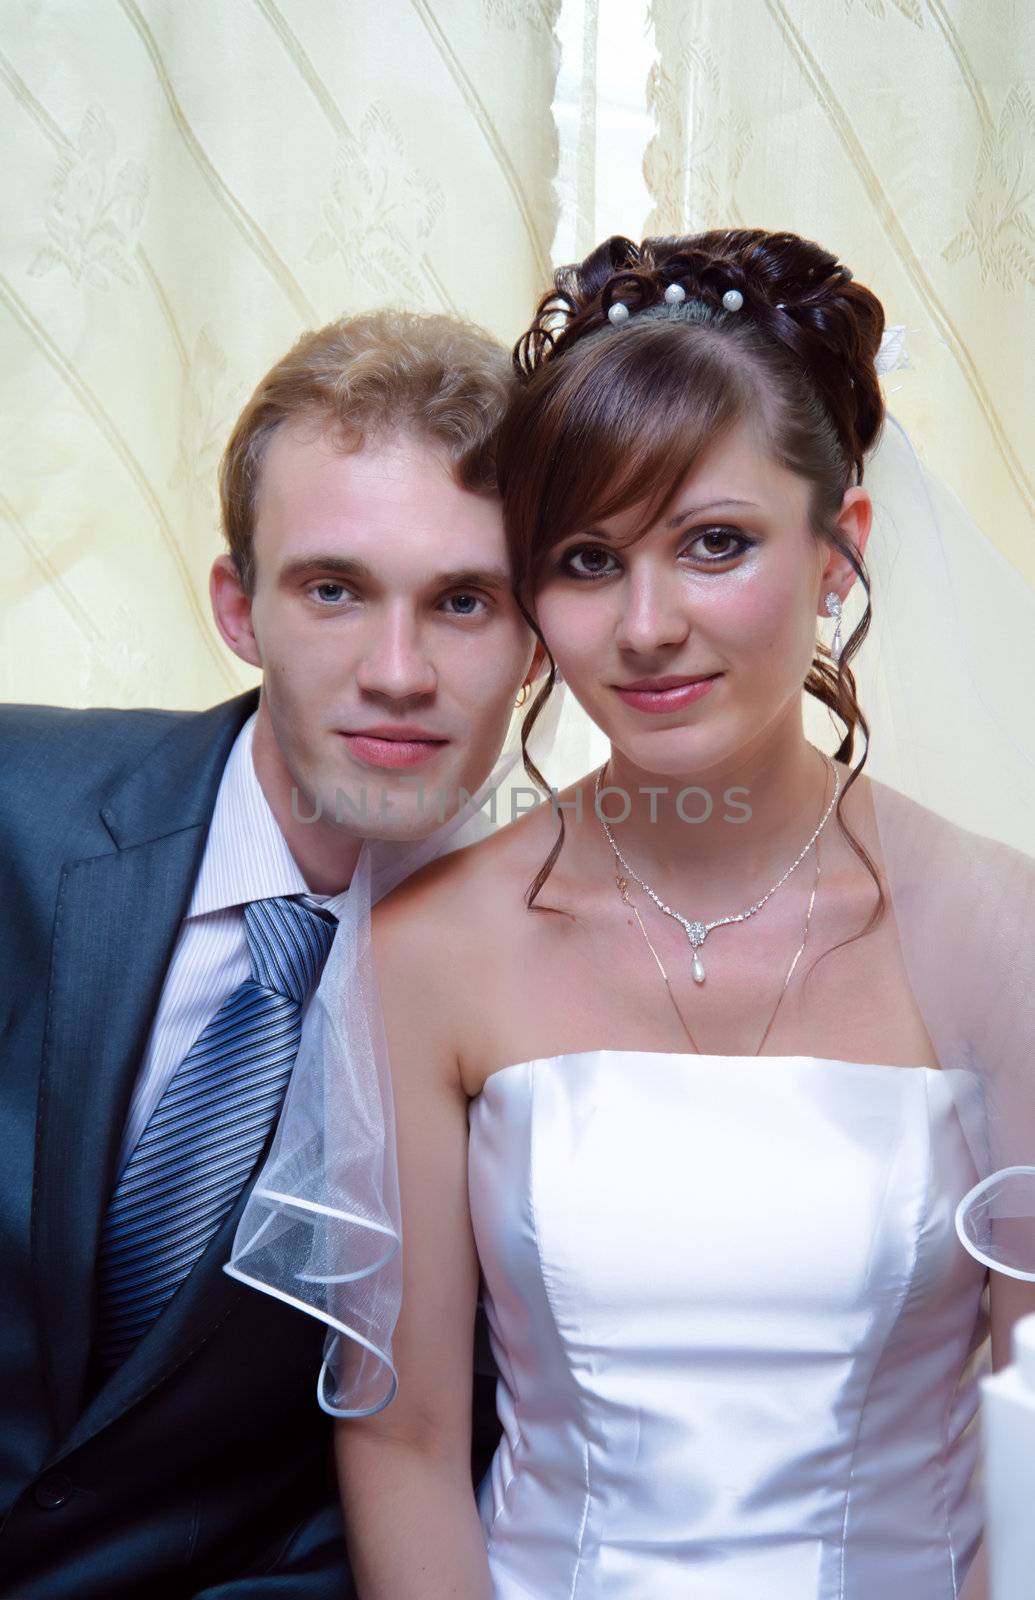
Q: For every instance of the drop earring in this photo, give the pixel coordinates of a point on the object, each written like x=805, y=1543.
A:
x=832, y=601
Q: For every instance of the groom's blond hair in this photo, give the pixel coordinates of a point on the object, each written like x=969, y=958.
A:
x=434, y=378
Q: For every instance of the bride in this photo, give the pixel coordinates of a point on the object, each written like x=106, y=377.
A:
x=666, y=1076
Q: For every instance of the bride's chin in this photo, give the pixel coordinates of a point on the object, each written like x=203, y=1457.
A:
x=678, y=757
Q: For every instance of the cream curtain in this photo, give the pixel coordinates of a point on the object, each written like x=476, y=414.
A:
x=901, y=133
x=190, y=184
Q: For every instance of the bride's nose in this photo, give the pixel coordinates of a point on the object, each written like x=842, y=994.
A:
x=655, y=612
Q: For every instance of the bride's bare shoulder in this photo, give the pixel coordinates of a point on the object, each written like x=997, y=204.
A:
x=462, y=897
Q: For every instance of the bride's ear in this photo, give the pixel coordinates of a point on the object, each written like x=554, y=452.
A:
x=853, y=522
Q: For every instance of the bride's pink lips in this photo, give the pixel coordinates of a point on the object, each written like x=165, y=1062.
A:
x=658, y=695
x=393, y=747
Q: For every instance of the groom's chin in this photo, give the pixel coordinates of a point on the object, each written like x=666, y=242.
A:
x=406, y=816
x=386, y=809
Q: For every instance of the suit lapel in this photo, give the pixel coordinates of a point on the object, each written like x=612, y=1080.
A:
x=204, y=1300
x=117, y=918
x=116, y=923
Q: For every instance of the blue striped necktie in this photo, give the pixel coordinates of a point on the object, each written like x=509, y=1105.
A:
x=207, y=1130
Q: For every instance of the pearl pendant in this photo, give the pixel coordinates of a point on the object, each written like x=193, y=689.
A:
x=697, y=968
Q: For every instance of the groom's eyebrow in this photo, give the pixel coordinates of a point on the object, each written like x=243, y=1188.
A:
x=351, y=571
x=475, y=578
x=322, y=566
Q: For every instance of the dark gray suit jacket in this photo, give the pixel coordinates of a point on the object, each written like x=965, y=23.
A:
x=202, y=1466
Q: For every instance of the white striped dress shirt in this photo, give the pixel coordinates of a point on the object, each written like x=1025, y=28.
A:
x=246, y=858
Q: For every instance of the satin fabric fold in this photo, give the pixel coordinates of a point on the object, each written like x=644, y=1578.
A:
x=737, y=1334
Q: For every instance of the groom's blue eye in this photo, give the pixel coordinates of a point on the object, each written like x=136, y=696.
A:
x=466, y=604
x=338, y=591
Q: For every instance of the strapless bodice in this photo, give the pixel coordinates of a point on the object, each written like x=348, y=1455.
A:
x=737, y=1336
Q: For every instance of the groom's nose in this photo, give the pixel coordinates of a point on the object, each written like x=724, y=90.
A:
x=396, y=662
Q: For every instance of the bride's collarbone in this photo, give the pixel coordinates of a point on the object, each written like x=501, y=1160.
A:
x=585, y=984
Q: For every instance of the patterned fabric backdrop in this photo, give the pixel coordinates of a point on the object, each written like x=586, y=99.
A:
x=190, y=185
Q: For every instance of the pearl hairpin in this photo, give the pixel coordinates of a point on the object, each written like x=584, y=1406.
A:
x=674, y=297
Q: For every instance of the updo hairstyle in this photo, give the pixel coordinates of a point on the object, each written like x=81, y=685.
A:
x=613, y=414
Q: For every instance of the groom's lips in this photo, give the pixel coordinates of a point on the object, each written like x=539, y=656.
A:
x=388, y=746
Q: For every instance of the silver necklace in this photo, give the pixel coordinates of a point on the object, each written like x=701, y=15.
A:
x=697, y=931
x=623, y=890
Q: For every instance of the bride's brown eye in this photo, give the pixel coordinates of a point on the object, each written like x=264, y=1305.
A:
x=587, y=561
x=720, y=544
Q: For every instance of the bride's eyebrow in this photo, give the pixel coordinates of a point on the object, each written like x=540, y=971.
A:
x=595, y=535
x=708, y=505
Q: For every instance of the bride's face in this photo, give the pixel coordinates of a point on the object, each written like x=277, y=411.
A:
x=690, y=646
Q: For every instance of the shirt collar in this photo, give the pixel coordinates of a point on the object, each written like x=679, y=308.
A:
x=246, y=855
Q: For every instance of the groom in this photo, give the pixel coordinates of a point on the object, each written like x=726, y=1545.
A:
x=170, y=887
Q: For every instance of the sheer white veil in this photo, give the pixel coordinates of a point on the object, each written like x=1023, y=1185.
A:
x=321, y=1229
x=947, y=681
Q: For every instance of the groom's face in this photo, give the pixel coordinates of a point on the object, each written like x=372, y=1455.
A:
x=383, y=620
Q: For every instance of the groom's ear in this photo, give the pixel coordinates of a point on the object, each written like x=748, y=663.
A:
x=232, y=609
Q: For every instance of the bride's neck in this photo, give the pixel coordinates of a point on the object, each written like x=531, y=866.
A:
x=724, y=828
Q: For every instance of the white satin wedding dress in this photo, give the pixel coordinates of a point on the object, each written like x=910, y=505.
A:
x=738, y=1338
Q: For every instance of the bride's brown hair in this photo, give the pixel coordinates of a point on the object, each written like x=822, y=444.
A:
x=609, y=417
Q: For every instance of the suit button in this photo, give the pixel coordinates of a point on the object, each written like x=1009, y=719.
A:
x=52, y=1492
